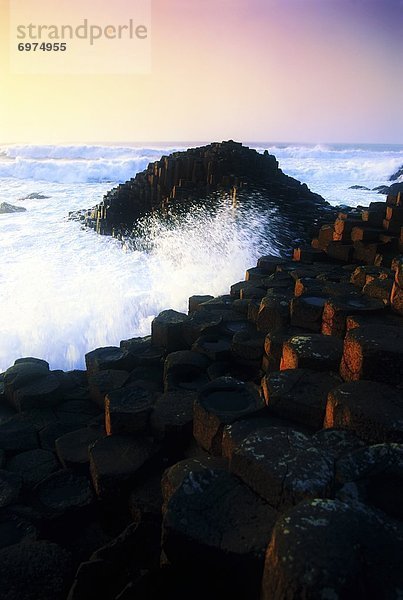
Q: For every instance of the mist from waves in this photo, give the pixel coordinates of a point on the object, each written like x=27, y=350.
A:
x=65, y=291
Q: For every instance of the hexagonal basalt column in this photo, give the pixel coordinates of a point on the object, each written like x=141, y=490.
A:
x=221, y=402
x=167, y=330
x=185, y=369
x=307, y=311
x=331, y=549
x=373, y=352
x=299, y=395
x=274, y=313
x=312, y=351
x=283, y=466
x=128, y=410
x=116, y=460
x=374, y=411
x=215, y=526
x=110, y=358
x=336, y=310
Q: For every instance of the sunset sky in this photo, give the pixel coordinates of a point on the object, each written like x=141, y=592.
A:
x=251, y=70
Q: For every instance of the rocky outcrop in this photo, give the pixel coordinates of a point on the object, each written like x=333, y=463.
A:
x=6, y=208
x=183, y=178
x=252, y=448
x=393, y=189
x=396, y=175
x=35, y=196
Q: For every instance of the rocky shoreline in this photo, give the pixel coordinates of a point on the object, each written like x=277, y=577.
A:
x=252, y=448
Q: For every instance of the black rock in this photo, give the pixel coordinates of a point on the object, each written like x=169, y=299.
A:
x=128, y=410
x=34, y=571
x=396, y=175
x=72, y=448
x=10, y=486
x=330, y=549
x=283, y=466
x=23, y=373
x=115, y=462
x=372, y=410
x=103, y=359
x=35, y=196
x=221, y=402
x=391, y=189
x=215, y=524
x=63, y=491
x=16, y=436
x=15, y=529
x=33, y=466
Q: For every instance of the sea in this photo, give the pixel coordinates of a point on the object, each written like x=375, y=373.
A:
x=65, y=290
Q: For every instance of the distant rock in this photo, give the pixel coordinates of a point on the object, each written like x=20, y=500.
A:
x=358, y=187
x=6, y=208
x=35, y=196
x=393, y=189
x=381, y=189
x=397, y=175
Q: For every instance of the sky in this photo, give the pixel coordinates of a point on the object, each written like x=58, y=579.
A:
x=251, y=70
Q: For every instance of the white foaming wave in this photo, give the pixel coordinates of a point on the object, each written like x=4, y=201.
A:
x=73, y=171
x=76, y=164
x=323, y=151
x=295, y=150
x=331, y=172
x=84, y=152
x=88, y=293
x=349, y=170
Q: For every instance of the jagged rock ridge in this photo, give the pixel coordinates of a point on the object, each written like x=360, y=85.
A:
x=185, y=177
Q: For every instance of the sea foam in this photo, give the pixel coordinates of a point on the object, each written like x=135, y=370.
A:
x=65, y=291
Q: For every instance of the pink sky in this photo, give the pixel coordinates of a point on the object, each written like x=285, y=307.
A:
x=284, y=70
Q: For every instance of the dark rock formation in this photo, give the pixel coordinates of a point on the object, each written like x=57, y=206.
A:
x=391, y=189
x=6, y=208
x=190, y=177
x=34, y=570
x=252, y=448
x=397, y=174
x=35, y=196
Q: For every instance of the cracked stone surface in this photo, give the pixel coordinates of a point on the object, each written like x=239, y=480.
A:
x=283, y=466
x=214, y=519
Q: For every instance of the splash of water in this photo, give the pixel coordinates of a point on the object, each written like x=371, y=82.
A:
x=70, y=291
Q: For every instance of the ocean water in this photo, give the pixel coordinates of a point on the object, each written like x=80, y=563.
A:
x=65, y=291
